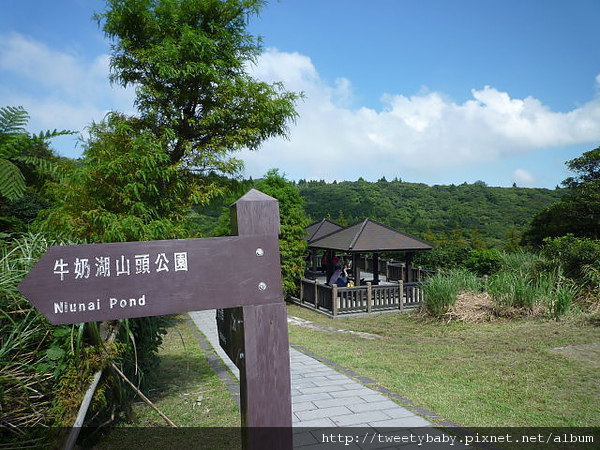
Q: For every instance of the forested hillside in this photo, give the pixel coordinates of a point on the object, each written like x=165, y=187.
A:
x=496, y=215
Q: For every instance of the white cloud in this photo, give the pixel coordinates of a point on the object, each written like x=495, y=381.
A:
x=424, y=133
x=523, y=178
x=58, y=89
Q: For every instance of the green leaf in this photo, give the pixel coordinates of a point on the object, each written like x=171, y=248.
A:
x=55, y=353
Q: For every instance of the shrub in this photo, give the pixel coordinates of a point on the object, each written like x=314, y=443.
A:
x=574, y=254
x=483, y=262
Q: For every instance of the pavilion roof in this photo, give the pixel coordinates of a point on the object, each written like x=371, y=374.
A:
x=322, y=228
x=369, y=236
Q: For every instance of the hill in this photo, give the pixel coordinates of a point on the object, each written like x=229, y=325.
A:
x=494, y=214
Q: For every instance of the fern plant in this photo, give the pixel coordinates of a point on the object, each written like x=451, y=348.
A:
x=14, y=141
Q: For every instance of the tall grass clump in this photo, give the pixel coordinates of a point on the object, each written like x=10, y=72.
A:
x=440, y=293
x=529, y=281
x=45, y=369
x=25, y=391
x=441, y=290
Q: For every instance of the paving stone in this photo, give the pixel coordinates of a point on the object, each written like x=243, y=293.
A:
x=351, y=420
x=316, y=389
x=349, y=402
x=322, y=422
x=303, y=406
x=371, y=406
x=402, y=422
x=361, y=392
x=310, y=397
x=398, y=412
x=323, y=413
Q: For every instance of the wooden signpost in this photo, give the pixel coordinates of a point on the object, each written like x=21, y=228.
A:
x=240, y=275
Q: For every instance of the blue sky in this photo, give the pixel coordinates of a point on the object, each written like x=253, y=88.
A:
x=432, y=91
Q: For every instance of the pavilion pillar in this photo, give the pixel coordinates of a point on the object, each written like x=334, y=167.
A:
x=375, y=269
x=329, y=269
x=409, y=272
x=356, y=268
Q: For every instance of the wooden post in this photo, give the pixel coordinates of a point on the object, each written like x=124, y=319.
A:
x=369, y=297
x=409, y=274
x=356, y=268
x=334, y=297
x=401, y=302
x=316, y=294
x=376, y=268
x=265, y=383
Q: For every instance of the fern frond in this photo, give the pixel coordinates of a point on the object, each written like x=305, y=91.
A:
x=43, y=166
x=13, y=119
x=12, y=181
x=13, y=144
x=45, y=135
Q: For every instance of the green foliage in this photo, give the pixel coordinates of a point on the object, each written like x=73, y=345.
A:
x=440, y=292
x=26, y=385
x=188, y=60
x=145, y=334
x=483, y=262
x=575, y=255
x=578, y=213
x=125, y=190
x=293, y=220
x=514, y=290
x=14, y=143
x=487, y=216
x=26, y=163
x=528, y=281
x=587, y=168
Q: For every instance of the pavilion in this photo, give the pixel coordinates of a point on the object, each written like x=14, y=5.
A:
x=367, y=236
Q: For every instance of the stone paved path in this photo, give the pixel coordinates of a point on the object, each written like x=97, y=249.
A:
x=322, y=396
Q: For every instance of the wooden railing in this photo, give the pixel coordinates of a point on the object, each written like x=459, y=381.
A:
x=393, y=271
x=336, y=300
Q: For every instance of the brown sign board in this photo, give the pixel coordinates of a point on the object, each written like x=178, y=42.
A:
x=239, y=275
x=98, y=282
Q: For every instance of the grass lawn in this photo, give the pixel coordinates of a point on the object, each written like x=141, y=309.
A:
x=500, y=373
x=494, y=374
x=191, y=395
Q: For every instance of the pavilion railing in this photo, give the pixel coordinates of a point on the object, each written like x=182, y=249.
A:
x=393, y=271
x=369, y=298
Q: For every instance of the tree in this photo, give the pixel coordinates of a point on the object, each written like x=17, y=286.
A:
x=124, y=190
x=578, y=213
x=587, y=166
x=188, y=61
x=293, y=219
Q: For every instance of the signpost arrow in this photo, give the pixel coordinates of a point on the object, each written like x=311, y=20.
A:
x=239, y=275
x=98, y=282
